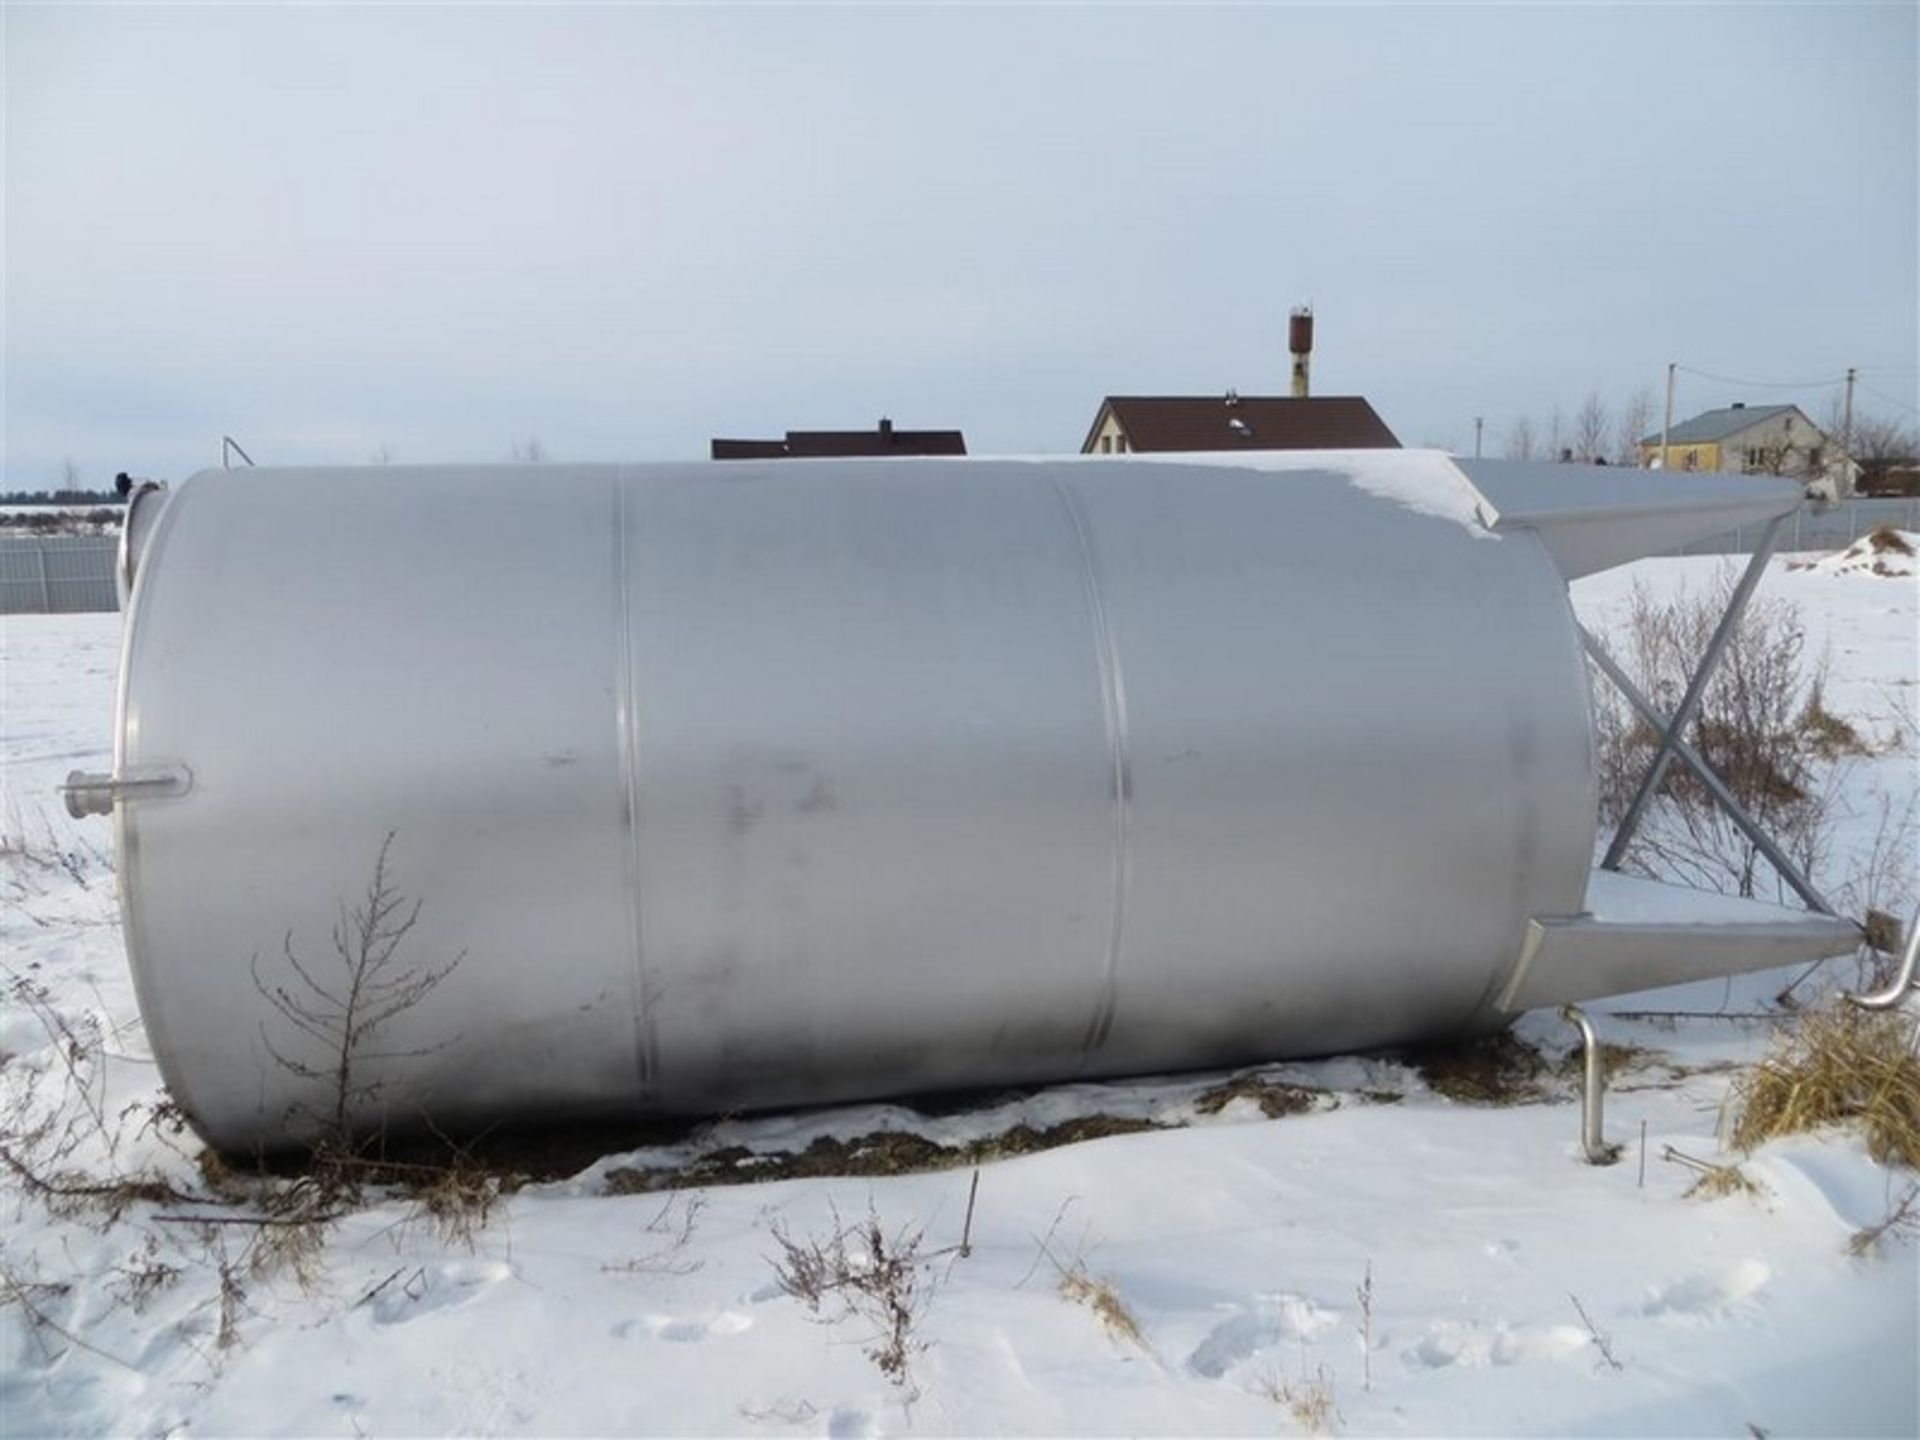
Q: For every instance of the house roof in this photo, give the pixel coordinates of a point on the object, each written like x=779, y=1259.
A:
x=1246, y=422
x=818, y=444
x=1715, y=425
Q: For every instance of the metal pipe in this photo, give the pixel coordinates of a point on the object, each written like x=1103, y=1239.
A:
x=1592, y=1090
x=1903, y=980
x=1715, y=786
x=93, y=792
x=1696, y=691
x=230, y=445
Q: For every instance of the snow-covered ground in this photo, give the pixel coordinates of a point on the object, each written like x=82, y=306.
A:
x=1513, y=1289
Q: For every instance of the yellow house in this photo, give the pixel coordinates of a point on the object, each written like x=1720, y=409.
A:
x=1754, y=439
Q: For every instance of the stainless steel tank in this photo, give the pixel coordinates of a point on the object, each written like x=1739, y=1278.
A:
x=758, y=784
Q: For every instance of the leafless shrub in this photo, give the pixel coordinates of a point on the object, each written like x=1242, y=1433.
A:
x=862, y=1271
x=57, y=1123
x=33, y=1298
x=1600, y=1341
x=143, y=1275
x=1761, y=726
x=458, y=1197
x=1363, y=1296
x=342, y=1011
x=1902, y=1218
x=232, y=1300
x=668, y=1255
x=787, y=1412
x=33, y=854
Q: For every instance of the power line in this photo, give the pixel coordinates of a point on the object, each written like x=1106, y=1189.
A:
x=1882, y=395
x=1765, y=384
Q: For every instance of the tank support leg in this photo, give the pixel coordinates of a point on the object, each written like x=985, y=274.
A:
x=1715, y=786
x=1671, y=732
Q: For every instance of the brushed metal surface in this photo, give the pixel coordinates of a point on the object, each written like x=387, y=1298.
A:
x=769, y=783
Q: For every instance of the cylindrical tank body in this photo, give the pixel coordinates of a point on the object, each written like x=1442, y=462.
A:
x=771, y=783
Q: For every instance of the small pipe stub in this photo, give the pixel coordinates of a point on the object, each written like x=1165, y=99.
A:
x=92, y=792
x=1592, y=1090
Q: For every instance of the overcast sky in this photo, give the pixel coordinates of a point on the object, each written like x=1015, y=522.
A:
x=623, y=231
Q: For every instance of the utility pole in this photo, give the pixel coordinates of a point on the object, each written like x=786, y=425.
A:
x=1844, y=488
x=1666, y=426
x=1478, y=422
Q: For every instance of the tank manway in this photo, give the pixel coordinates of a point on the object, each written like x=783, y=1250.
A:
x=520, y=792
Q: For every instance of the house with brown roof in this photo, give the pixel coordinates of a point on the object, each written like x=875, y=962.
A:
x=1158, y=423
x=817, y=444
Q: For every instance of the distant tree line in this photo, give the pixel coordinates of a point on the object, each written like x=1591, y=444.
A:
x=59, y=497
x=1595, y=434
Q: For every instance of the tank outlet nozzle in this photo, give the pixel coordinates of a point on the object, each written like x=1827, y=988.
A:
x=93, y=792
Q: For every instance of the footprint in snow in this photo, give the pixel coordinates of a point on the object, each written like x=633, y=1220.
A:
x=1709, y=1294
x=682, y=1332
x=1267, y=1321
x=1474, y=1346
x=437, y=1287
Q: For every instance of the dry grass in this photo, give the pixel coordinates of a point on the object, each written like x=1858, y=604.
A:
x=1829, y=736
x=1274, y=1097
x=1498, y=1069
x=1888, y=541
x=1099, y=1295
x=881, y=1152
x=1716, y=1182
x=1837, y=1065
x=1309, y=1400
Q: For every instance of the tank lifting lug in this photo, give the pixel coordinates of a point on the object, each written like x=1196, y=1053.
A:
x=92, y=792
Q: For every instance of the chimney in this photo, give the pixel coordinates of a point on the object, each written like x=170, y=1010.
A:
x=1300, y=342
x=886, y=429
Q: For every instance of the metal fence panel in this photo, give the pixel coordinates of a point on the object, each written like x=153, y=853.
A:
x=58, y=574
x=1831, y=527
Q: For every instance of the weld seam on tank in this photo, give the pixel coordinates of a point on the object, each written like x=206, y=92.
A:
x=627, y=737
x=1113, y=697
x=177, y=1078
x=1492, y=1007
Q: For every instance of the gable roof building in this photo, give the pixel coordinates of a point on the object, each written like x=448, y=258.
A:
x=1160, y=423
x=1754, y=440
x=817, y=444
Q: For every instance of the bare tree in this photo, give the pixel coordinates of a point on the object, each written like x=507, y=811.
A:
x=342, y=1011
x=69, y=475
x=1521, y=442
x=1878, y=442
x=1590, y=426
x=1636, y=421
x=529, y=451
